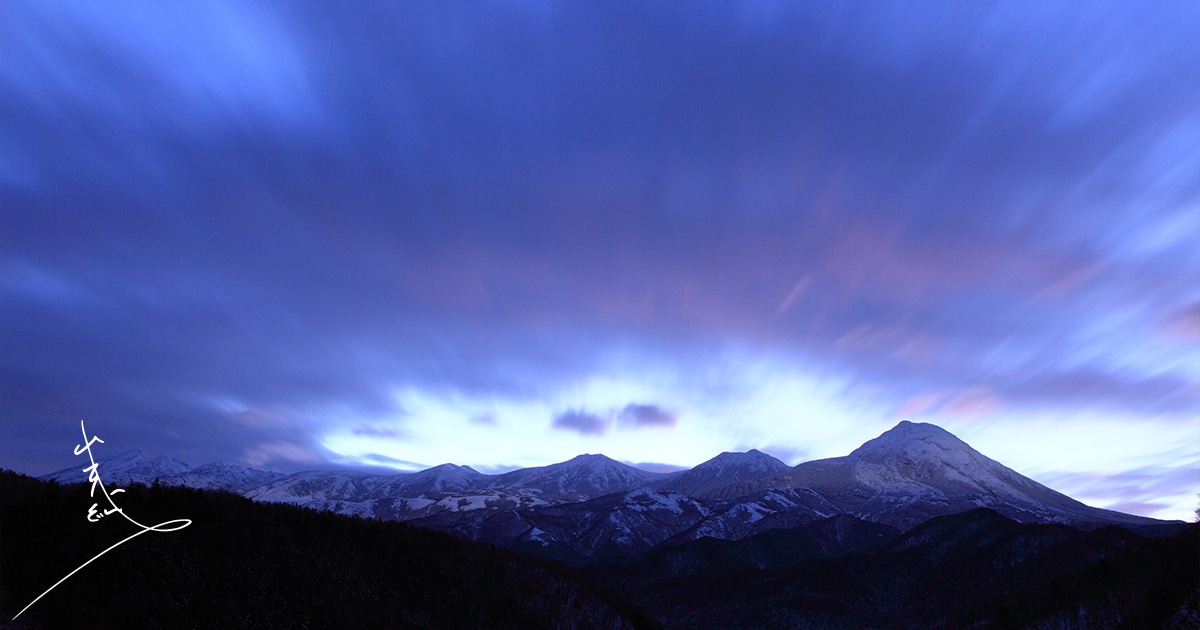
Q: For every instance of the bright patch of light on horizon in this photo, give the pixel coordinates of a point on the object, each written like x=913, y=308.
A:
x=736, y=403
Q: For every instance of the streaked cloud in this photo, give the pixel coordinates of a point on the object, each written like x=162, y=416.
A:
x=383, y=232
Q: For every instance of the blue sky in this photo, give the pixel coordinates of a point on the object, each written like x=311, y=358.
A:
x=503, y=234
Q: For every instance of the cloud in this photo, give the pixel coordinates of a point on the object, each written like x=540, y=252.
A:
x=925, y=213
x=1156, y=491
x=633, y=416
x=264, y=455
x=1162, y=393
x=973, y=404
x=390, y=462
x=1185, y=324
x=918, y=405
x=656, y=467
x=787, y=454
x=485, y=419
x=646, y=416
x=381, y=430
x=581, y=422
x=258, y=418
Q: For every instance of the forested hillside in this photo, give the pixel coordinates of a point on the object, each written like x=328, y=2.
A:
x=244, y=564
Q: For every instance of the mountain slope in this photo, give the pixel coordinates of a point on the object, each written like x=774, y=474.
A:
x=916, y=471
x=578, y=479
x=124, y=468
x=721, y=471
x=591, y=505
x=133, y=467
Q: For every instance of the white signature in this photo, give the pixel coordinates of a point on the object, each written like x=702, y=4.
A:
x=93, y=515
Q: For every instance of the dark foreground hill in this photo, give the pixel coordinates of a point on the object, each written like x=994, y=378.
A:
x=976, y=569
x=244, y=564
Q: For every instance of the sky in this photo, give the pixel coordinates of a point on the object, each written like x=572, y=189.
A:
x=298, y=235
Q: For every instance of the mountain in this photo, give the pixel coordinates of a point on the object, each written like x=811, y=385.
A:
x=902, y=478
x=975, y=569
x=578, y=479
x=399, y=496
x=133, y=467
x=228, y=477
x=915, y=528
x=125, y=468
x=614, y=524
x=242, y=564
x=916, y=471
x=763, y=510
x=591, y=506
x=772, y=549
x=721, y=471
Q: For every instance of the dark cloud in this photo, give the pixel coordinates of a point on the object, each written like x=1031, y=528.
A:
x=581, y=422
x=646, y=416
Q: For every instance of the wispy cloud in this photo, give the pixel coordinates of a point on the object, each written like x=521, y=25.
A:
x=305, y=209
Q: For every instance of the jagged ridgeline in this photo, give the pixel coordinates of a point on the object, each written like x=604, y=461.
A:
x=914, y=529
x=243, y=564
x=591, y=506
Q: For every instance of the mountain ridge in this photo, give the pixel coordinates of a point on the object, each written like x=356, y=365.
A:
x=591, y=505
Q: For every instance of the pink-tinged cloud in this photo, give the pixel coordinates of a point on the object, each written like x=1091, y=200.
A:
x=1069, y=283
x=972, y=404
x=581, y=422
x=656, y=467
x=883, y=260
x=1185, y=324
x=795, y=293
x=1136, y=507
x=918, y=405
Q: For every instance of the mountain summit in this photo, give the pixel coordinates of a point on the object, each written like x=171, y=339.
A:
x=579, y=478
x=128, y=467
x=592, y=504
x=723, y=470
x=915, y=471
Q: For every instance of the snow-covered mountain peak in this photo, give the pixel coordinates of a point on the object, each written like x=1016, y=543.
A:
x=590, y=460
x=123, y=468
x=452, y=469
x=581, y=476
x=724, y=470
x=916, y=441
x=752, y=459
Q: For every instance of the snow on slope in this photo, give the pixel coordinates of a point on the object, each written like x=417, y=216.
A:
x=916, y=471
x=592, y=504
x=125, y=468
x=577, y=479
x=133, y=467
x=723, y=470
